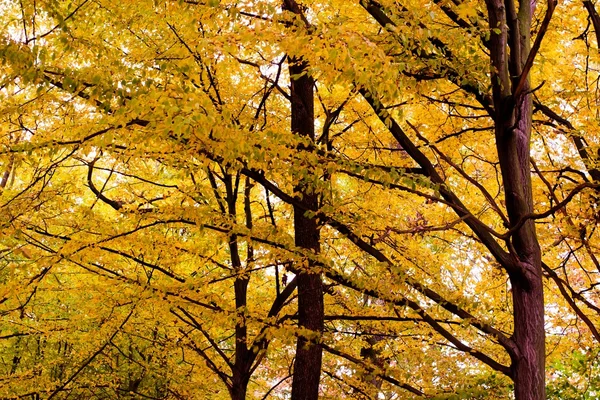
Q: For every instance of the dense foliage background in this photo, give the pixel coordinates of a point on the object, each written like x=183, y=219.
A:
x=151, y=182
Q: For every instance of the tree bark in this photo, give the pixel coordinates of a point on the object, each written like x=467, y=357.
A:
x=307, y=368
x=240, y=369
x=509, y=51
x=239, y=387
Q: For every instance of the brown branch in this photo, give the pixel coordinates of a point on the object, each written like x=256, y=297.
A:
x=57, y=26
x=376, y=11
x=482, y=231
x=561, y=287
x=374, y=370
x=92, y=357
x=589, y=6
x=383, y=318
x=209, y=362
x=261, y=341
x=479, y=186
x=345, y=382
x=193, y=322
x=550, y=211
x=379, y=256
x=114, y=204
x=144, y=263
x=291, y=5
x=534, y=49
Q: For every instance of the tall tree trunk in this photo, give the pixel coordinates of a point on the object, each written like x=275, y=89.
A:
x=307, y=368
x=527, y=288
x=240, y=374
x=243, y=359
x=509, y=51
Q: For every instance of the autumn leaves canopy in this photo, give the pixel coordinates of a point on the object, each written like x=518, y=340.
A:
x=365, y=199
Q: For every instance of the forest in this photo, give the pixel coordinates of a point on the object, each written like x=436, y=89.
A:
x=299, y=199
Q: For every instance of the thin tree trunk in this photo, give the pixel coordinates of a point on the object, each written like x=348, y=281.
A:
x=243, y=359
x=240, y=374
x=307, y=368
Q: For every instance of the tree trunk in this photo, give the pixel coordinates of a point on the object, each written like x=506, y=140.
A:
x=509, y=51
x=239, y=386
x=307, y=368
x=240, y=374
x=527, y=288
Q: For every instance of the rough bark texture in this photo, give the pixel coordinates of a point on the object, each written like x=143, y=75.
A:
x=509, y=50
x=307, y=368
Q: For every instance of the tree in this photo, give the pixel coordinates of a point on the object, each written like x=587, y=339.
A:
x=445, y=178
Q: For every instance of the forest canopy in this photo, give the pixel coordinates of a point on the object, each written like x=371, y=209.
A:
x=289, y=199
